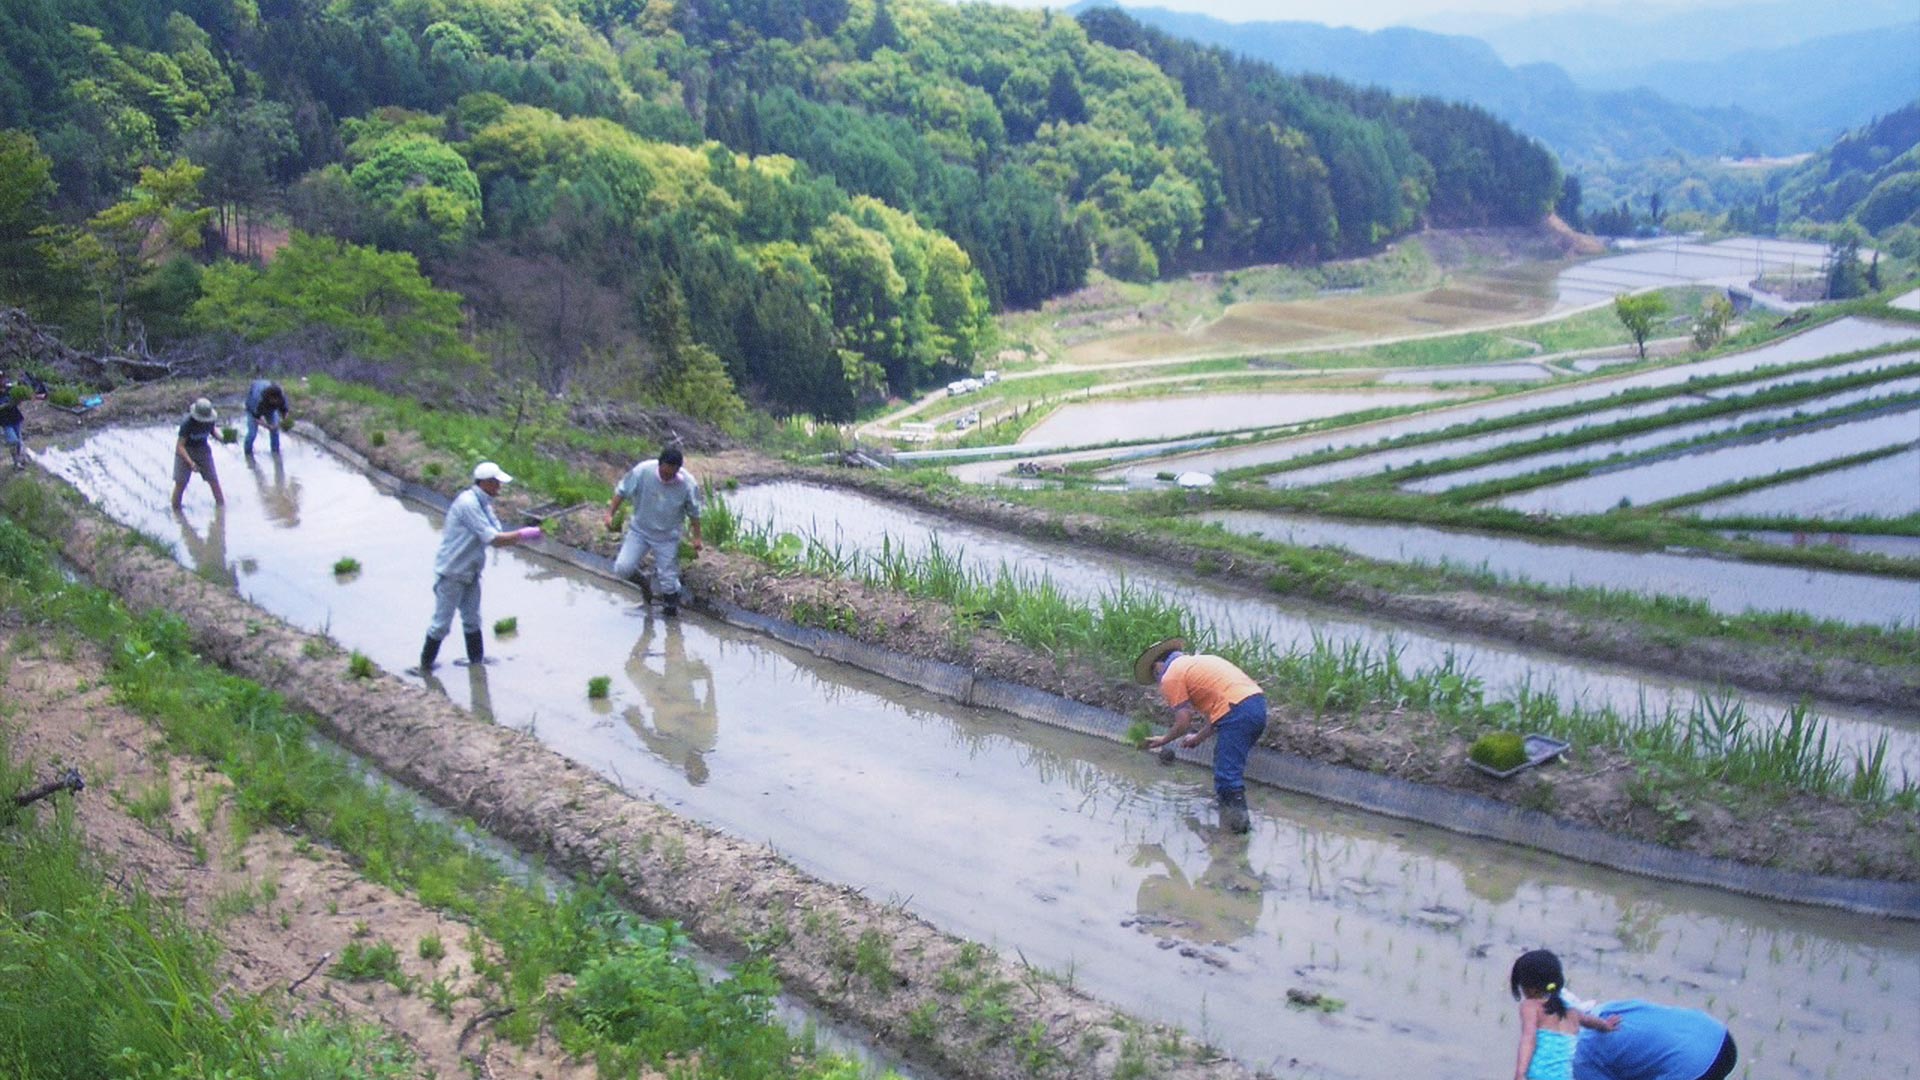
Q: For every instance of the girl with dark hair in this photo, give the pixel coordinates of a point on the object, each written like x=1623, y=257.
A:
x=1548, y=1027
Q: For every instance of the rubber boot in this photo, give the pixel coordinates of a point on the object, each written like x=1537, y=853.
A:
x=671, y=605
x=1233, y=812
x=476, y=647
x=428, y=653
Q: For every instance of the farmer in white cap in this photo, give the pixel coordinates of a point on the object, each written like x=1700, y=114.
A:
x=1228, y=703
x=471, y=529
x=193, y=452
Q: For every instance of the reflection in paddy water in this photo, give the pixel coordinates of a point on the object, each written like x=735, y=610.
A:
x=1090, y=859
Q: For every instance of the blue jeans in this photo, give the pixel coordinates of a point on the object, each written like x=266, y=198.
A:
x=1235, y=735
x=253, y=428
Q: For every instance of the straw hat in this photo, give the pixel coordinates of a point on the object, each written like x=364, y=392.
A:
x=1156, y=652
x=203, y=411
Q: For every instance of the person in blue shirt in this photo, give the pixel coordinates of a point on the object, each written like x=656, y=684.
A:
x=193, y=452
x=665, y=496
x=1655, y=1042
x=266, y=406
x=471, y=528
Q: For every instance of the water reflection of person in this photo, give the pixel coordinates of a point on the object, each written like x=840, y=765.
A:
x=479, y=694
x=681, y=721
x=1222, y=905
x=208, y=553
x=278, y=497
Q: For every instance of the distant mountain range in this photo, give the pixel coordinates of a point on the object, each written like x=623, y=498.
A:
x=1627, y=36
x=1780, y=100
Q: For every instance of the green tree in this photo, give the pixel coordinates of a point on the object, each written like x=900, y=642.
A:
x=1711, y=325
x=156, y=221
x=1846, y=275
x=1638, y=312
x=686, y=376
x=26, y=185
x=377, y=303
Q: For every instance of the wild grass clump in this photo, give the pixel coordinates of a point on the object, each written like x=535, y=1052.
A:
x=359, y=665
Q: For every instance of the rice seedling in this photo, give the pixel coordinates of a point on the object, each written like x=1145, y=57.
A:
x=599, y=686
x=346, y=566
x=506, y=626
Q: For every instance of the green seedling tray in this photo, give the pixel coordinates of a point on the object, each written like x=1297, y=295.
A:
x=1540, y=750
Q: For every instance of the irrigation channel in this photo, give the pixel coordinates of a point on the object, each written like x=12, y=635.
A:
x=855, y=523
x=1086, y=857
x=1728, y=586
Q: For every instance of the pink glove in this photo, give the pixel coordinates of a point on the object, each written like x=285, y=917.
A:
x=530, y=533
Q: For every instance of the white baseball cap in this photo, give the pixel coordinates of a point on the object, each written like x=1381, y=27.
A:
x=487, y=470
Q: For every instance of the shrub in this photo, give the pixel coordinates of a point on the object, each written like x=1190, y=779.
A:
x=1499, y=750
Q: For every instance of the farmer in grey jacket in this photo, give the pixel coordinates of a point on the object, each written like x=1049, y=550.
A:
x=471, y=529
x=664, y=495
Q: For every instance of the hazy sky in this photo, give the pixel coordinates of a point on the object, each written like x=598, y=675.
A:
x=1373, y=14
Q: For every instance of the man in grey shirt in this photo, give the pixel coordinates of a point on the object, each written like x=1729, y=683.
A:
x=664, y=495
x=470, y=530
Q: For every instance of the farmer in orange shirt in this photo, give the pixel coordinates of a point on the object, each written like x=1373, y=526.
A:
x=1229, y=705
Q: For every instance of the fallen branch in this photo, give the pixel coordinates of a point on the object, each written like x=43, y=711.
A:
x=491, y=1014
x=69, y=782
x=317, y=965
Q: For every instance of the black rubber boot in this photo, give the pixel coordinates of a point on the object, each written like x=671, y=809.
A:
x=429, y=652
x=1233, y=812
x=671, y=605
x=476, y=647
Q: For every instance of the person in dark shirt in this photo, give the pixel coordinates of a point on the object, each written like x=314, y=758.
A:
x=266, y=407
x=193, y=452
x=10, y=420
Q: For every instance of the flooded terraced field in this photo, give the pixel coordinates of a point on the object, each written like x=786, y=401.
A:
x=852, y=523
x=1683, y=474
x=1090, y=859
x=1729, y=586
x=1887, y=487
x=1832, y=339
x=1171, y=417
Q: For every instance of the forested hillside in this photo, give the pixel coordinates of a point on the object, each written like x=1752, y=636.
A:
x=805, y=205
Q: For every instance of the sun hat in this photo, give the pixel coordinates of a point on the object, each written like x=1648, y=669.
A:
x=1156, y=652
x=487, y=470
x=203, y=411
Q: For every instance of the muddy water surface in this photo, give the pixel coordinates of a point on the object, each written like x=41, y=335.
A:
x=1089, y=859
x=851, y=521
x=1729, y=586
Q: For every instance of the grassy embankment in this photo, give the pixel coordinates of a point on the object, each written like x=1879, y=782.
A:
x=99, y=973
